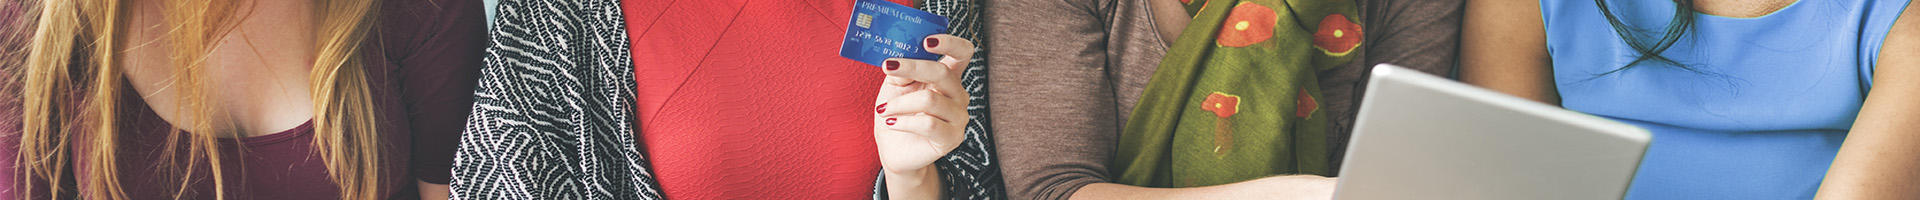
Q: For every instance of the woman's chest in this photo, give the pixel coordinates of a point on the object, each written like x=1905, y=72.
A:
x=246, y=62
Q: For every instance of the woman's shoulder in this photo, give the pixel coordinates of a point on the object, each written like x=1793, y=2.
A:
x=406, y=20
x=427, y=10
x=404, y=27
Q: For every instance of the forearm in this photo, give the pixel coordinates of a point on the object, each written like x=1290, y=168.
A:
x=430, y=191
x=1279, y=187
x=915, y=185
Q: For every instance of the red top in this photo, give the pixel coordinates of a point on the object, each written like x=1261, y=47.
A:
x=422, y=66
x=742, y=100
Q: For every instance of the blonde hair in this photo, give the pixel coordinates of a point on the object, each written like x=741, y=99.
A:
x=70, y=82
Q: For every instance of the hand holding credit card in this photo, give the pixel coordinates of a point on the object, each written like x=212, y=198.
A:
x=880, y=29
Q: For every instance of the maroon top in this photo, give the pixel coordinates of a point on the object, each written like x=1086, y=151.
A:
x=423, y=62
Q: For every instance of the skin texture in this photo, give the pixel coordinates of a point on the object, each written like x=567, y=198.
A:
x=262, y=67
x=1170, y=17
x=921, y=115
x=1487, y=34
x=1875, y=162
x=1878, y=159
x=434, y=191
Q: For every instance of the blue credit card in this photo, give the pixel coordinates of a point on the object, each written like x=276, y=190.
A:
x=880, y=29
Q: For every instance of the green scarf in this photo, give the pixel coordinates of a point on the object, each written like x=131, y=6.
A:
x=1235, y=99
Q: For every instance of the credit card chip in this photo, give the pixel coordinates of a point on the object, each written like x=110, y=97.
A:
x=864, y=20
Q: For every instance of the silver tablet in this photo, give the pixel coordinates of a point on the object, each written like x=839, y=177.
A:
x=1419, y=136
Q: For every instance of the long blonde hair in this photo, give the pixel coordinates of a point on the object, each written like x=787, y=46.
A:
x=71, y=79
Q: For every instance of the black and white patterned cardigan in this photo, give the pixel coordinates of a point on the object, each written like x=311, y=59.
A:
x=553, y=115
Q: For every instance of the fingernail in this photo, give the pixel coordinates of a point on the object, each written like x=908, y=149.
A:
x=890, y=121
x=893, y=65
x=931, y=43
x=880, y=109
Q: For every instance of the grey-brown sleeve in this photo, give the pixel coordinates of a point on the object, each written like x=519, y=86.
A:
x=1065, y=73
x=1420, y=34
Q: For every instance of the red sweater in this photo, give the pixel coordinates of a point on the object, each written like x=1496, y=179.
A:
x=750, y=100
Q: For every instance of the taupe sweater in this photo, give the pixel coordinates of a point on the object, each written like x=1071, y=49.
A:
x=1067, y=73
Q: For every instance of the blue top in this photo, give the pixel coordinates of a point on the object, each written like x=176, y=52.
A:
x=1765, y=113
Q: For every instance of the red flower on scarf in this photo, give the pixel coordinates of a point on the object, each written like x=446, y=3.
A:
x=1249, y=23
x=1337, y=36
x=1304, y=106
x=1222, y=104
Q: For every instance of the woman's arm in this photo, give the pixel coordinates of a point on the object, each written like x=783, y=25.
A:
x=1503, y=47
x=444, y=43
x=1053, y=106
x=433, y=190
x=921, y=116
x=1169, y=18
x=1881, y=156
x=1421, y=35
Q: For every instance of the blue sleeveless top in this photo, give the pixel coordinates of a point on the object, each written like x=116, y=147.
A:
x=1761, y=114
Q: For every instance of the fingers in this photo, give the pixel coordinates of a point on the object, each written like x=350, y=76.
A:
x=925, y=97
x=936, y=74
x=917, y=70
x=943, y=75
x=946, y=109
x=888, y=90
x=942, y=133
x=898, y=81
x=958, y=50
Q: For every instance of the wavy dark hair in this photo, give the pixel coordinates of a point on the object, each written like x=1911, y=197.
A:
x=1650, y=50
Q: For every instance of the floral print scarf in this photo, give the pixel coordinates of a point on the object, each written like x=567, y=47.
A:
x=1235, y=97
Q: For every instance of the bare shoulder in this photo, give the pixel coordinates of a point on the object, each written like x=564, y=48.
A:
x=1908, y=24
x=1503, y=47
x=1898, y=52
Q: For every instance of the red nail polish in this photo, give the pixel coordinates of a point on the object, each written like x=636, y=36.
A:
x=893, y=65
x=931, y=43
x=890, y=121
x=880, y=109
